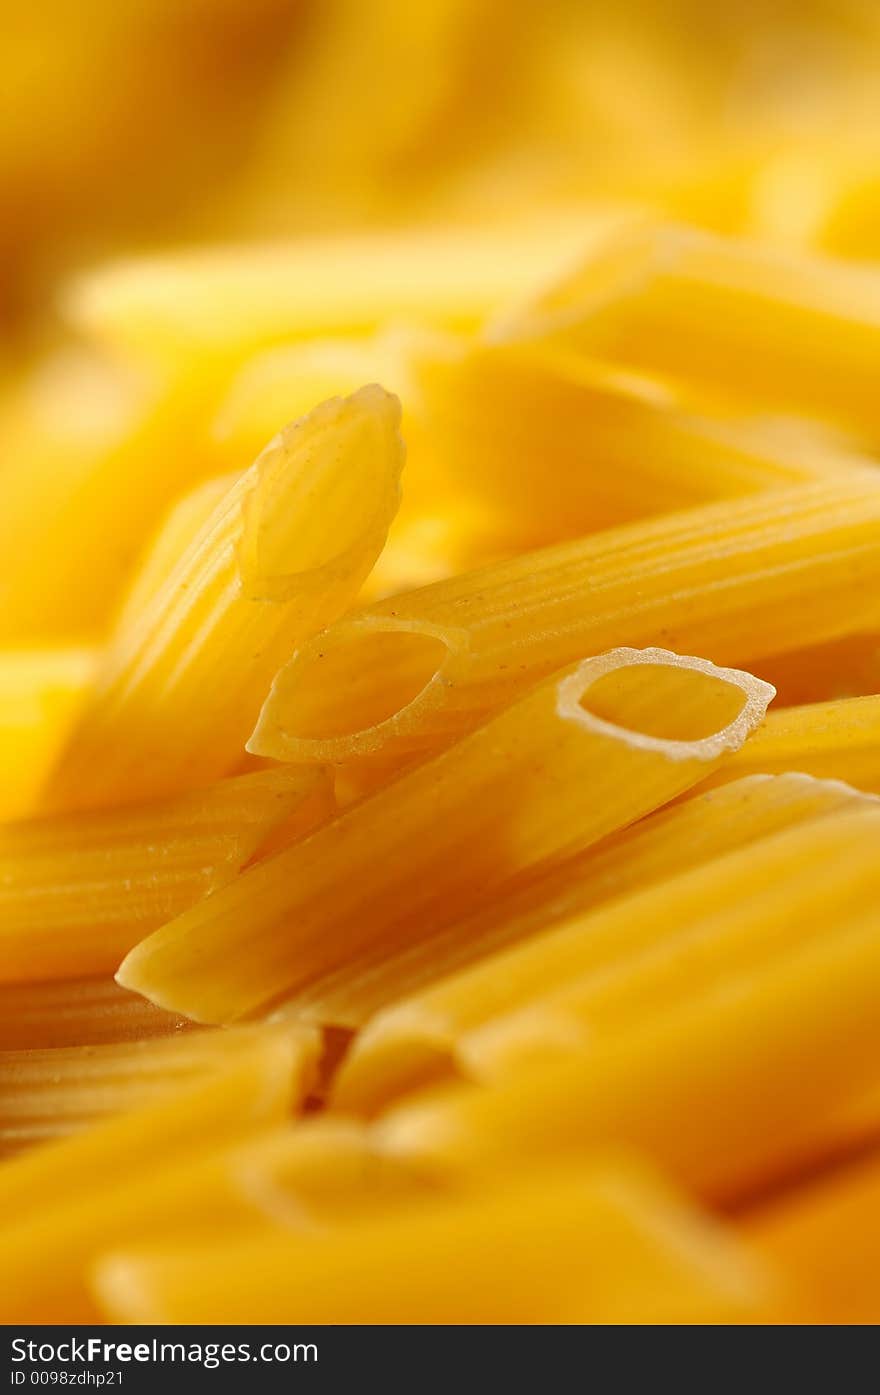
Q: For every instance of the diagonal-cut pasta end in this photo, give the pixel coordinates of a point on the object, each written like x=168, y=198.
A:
x=349, y=453
x=349, y=691
x=682, y=707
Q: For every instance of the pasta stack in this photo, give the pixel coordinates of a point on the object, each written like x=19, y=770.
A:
x=472, y=856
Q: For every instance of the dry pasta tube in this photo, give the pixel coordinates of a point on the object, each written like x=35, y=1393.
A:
x=440, y=528
x=731, y=580
x=293, y=1177
x=840, y=740
x=617, y=447
x=52, y=1256
x=563, y=767
x=49, y=1094
x=285, y=552
x=824, y=1237
x=228, y=300
x=734, y=1092
x=737, y=321
x=64, y=1201
x=690, y=939
x=183, y=521
x=323, y=1171
x=839, y=668
x=41, y=694
x=666, y=877
x=77, y=891
x=102, y=457
x=605, y=1242
x=662, y=845
x=78, y=1012
x=252, y=1087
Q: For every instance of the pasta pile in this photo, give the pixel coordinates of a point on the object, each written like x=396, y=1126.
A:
x=412, y=908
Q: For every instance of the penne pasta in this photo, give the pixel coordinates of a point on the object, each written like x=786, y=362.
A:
x=409, y=912
x=731, y=1094
x=183, y=521
x=619, y=447
x=321, y=1172
x=731, y=580
x=664, y=951
x=285, y=551
x=735, y=321
x=78, y=1012
x=661, y=846
x=823, y=1237
x=77, y=891
x=253, y=1086
x=41, y=694
x=227, y=300
x=840, y=740
x=606, y=1242
x=199, y=1195
x=637, y=895
x=99, y=451
x=48, y=1094
x=440, y=527
x=72, y=1197
x=569, y=763
x=839, y=668
x=296, y=1178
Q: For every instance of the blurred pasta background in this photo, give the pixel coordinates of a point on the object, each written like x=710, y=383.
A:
x=468, y=929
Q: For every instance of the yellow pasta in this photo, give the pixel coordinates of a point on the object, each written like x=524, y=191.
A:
x=74, y=1195
x=736, y=321
x=41, y=694
x=619, y=446
x=77, y=891
x=198, y=1191
x=251, y=1088
x=824, y=1238
x=566, y=765
x=51, y=1093
x=839, y=668
x=286, y=381
x=99, y=454
x=731, y=581
x=729, y=1094
x=636, y=894
x=351, y=154
x=320, y=1172
x=441, y=527
x=603, y=1243
x=158, y=561
x=301, y=1176
x=657, y=953
x=78, y=1012
x=409, y=911
x=661, y=846
x=836, y=739
x=283, y=553
x=226, y=300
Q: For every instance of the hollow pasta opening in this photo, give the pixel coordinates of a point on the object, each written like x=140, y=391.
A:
x=376, y=674
x=670, y=704
x=684, y=707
